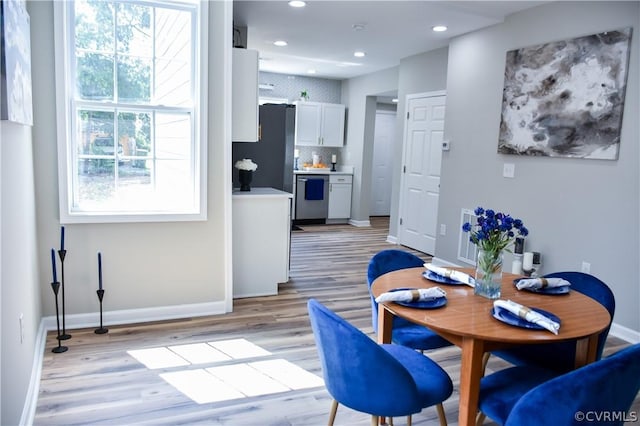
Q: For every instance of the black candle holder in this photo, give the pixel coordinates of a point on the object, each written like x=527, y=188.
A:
x=101, y=330
x=55, y=286
x=333, y=167
x=64, y=336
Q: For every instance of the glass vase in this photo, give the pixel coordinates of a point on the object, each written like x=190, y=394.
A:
x=489, y=273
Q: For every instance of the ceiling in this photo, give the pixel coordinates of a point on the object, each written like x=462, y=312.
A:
x=321, y=36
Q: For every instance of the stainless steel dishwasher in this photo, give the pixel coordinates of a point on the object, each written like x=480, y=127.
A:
x=312, y=196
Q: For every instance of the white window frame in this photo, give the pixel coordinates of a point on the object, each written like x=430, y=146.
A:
x=65, y=88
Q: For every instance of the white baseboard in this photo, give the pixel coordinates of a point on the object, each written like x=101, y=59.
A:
x=624, y=333
x=392, y=239
x=360, y=223
x=442, y=262
x=132, y=316
x=31, y=399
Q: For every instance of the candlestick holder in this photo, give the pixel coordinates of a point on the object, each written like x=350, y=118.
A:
x=101, y=330
x=64, y=336
x=55, y=286
x=333, y=167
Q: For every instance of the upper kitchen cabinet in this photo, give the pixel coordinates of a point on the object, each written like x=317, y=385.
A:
x=319, y=123
x=245, y=96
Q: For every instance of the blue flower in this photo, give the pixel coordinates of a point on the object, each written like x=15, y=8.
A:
x=493, y=231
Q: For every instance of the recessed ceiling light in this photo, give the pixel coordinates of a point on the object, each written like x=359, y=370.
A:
x=297, y=3
x=357, y=27
x=439, y=28
x=311, y=71
x=394, y=100
x=359, y=54
x=280, y=43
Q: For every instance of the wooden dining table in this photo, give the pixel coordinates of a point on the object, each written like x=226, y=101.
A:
x=467, y=322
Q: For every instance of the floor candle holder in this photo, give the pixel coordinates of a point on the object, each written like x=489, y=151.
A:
x=101, y=329
x=55, y=286
x=64, y=336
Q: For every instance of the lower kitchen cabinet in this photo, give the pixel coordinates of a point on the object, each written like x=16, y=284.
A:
x=261, y=241
x=340, y=197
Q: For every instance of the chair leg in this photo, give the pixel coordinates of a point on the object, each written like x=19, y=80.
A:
x=441, y=415
x=485, y=360
x=374, y=420
x=332, y=414
x=390, y=421
x=480, y=418
x=409, y=420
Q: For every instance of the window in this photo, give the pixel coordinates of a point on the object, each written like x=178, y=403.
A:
x=132, y=124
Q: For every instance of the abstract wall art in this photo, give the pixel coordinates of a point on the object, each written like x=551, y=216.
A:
x=566, y=98
x=16, y=96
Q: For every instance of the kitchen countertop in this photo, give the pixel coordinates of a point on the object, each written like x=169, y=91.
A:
x=261, y=192
x=345, y=171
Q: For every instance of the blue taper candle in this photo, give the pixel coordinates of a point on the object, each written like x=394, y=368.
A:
x=62, y=239
x=99, y=271
x=53, y=265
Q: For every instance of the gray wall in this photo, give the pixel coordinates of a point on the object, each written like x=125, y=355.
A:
x=576, y=210
x=426, y=72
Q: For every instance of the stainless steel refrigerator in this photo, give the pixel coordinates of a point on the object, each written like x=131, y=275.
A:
x=273, y=153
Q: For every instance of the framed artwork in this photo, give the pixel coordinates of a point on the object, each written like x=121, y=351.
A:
x=566, y=98
x=16, y=98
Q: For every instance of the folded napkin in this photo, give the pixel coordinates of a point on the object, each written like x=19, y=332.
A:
x=536, y=283
x=412, y=295
x=451, y=273
x=528, y=314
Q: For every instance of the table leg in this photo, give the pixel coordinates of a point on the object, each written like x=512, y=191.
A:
x=385, y=324
x=470, y=375
x=586, y=350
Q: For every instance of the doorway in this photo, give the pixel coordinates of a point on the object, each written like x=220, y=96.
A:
x=381, y=168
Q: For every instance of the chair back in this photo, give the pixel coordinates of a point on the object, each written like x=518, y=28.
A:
x=357, y=372
x=599, y=393
x=387, y=261
x=561, y=356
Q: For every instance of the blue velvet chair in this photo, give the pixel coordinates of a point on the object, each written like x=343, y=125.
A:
x=404, y=332
x=381, y=380
x=561, y=356
x=523, y=396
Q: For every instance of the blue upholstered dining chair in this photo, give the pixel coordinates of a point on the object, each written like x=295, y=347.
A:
x=533, y=396
x=381, y=380
x=561, y=356
x=404, y=332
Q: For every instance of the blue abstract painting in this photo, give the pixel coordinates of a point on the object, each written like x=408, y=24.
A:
x=566, y=98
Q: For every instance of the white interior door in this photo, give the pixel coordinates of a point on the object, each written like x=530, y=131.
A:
x=421, y=171
x=383, y=139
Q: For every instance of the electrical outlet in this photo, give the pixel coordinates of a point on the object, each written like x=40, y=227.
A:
x=443, y=229
x=509, y=170
x=446, y=145
x=586, y=267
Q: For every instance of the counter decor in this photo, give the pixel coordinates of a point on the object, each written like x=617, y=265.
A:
x=493, y=233
x=245, y=167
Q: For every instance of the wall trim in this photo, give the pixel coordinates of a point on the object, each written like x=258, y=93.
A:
x=392, y=239
x=624, y=333
x=31, y=399
x=360, y=223
x=132, y=316
x=439, y=261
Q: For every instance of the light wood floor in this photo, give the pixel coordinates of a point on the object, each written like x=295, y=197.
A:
x=98, y=383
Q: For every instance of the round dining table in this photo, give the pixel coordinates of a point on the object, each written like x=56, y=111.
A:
x=466, y=320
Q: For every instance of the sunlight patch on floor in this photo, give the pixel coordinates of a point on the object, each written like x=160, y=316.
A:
x=232, y=379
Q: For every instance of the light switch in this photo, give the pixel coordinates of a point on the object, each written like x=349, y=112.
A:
x=509, y=170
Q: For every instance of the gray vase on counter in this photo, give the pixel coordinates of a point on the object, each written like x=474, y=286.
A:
x=245, y=179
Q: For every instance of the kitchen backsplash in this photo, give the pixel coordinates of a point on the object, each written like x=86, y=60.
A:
x=289, y=87
x=306, y=155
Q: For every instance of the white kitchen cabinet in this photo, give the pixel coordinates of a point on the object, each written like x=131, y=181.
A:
x=244, y=111
x=261, y=241
x=340, y=196
x=319, y=124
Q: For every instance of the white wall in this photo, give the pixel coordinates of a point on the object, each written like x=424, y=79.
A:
x=426, y=72
x=576, y=210
x=20, y=285
x=359, y=95
x=145, y=265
